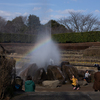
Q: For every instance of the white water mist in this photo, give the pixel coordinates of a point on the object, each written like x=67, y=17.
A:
x=47, y=54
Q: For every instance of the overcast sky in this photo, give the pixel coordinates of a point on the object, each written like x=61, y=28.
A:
x=47, y=9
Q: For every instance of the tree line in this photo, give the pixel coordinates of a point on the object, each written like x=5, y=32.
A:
x=29, y=25
x=75, y=22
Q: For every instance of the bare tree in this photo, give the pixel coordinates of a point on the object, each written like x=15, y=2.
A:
x=78, y=22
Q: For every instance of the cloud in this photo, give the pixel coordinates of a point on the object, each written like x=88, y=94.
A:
x=97, y=11
x=56, y=16
x=25, y=14
x=49, y=10
x=44, y=21
x=51, y=17
x=3, y=13
x=10, y=16
x=36, y=8
x=69, y=10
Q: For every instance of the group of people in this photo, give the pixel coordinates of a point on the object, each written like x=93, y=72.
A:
x=30, y=85
x=74, y=80
x=96, y=84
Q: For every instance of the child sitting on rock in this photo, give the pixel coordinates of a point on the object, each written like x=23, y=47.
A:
x=74, y=83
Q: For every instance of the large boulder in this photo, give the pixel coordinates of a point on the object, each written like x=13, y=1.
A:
x=30, y=70
x=82, y=82
x=40, y=76
x=50, y=84
x=64, y=63
x=68, y=71
x=81, y=74
x=54, y=73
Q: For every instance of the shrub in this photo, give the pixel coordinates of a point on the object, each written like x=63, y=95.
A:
x=60, y=38
x=77, y=37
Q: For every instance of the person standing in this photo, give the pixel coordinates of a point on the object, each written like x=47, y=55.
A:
x=96, y=85
x=29, y=85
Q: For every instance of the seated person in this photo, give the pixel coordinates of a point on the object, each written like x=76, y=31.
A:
x=74, y=82
x=87, y=76
x=18, y=83
x=29, y=85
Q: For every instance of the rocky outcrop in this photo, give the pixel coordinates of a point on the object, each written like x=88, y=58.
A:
x=64, y=63
x=68, y=71
x=40, y=76
x=30, y=70
x=54, y=73
x=51, y=83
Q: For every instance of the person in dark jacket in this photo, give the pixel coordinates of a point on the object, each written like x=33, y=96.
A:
x=29, y=85
x=96, y=85
x=18, y=83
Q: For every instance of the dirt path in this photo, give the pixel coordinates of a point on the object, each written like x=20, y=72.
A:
x=65, y=88
x=65, y=92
